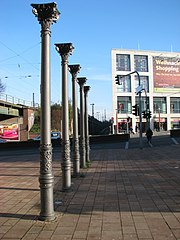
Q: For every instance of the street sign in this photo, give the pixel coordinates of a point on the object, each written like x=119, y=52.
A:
x=138, y=89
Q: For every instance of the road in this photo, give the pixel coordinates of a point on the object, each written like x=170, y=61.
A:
x=157, y=141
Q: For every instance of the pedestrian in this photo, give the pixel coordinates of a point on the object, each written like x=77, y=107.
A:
x=149, y=134
x=131, y=130
x=136, y=128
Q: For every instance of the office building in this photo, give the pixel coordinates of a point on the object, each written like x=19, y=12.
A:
x=159, y=78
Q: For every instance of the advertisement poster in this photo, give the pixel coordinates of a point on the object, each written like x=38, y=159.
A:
x=9, y=132
x=166, y=74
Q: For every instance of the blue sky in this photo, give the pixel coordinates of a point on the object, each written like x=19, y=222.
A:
x=94, y=27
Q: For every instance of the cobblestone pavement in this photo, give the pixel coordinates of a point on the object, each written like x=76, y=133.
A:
x=124, y=194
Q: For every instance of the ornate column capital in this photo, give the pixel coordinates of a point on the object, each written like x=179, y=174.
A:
x=86, y=89
x=74, y=70
x=81, y=81
x=46, y=13
x=64, y=49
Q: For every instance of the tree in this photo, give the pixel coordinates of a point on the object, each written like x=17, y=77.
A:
x=56, y=117
x=2, y=87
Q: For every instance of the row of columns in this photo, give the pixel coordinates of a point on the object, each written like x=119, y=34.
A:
x=47, y=14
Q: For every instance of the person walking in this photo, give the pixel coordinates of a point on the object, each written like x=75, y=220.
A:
x=149, y=134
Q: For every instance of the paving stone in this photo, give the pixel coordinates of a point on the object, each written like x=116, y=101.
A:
x=124, y=194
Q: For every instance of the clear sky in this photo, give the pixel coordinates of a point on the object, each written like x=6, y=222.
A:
x=94, y=27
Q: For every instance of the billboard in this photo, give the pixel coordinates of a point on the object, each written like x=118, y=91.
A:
x=9, y=132
x=166, y=74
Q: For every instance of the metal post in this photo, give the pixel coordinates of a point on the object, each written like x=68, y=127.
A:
x=92, y=104
x=81, y=82
x=65, y=49
x=46, y=14
x=33, y=101
x=74, y=70
x=86, y=89
x=92, y=119
x=140, y=114
x=159, y=116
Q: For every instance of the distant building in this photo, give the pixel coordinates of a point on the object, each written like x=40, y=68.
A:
x=160, y=79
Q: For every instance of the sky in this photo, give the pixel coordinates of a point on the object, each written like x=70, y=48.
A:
x=94, y=27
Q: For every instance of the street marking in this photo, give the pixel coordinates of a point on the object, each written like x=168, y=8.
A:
x=174, y=141
x=127, y=145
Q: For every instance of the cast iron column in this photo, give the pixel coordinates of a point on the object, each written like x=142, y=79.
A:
x=74, y=70
x=81, y=82
x=65, y=49
x=86, y=89
x=46, y=14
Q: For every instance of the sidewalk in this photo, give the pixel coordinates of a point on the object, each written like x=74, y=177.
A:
x=124, y=194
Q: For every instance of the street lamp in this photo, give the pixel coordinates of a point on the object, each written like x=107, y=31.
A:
x=82, y=81
x=46, y=14
x=74, y=70
x=86, y=90
x=65, y=49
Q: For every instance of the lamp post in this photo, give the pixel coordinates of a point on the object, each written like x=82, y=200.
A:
x=74, y=70
x=82, y=81
x=159, y=117
x=86, y=90
x=65, y=49
x=46, y=14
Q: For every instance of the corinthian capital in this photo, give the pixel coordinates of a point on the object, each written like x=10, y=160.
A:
x=81, y=81
x=86, y=89
x=46, y=13
x=74, y=70
x=64, y=49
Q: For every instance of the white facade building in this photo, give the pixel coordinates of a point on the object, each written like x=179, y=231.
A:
x=160, y=80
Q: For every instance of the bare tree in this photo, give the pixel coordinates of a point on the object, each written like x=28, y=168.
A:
x=2, y=87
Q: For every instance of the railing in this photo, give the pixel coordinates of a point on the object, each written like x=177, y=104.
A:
x=10, y=99
x=9, y=111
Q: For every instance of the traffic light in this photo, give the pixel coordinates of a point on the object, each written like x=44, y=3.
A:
x=149, y=115
x=144, y=114
x=117, y=79
x=135, y=110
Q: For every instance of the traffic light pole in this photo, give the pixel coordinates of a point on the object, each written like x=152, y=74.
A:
x=140, y=114
x=140, y=106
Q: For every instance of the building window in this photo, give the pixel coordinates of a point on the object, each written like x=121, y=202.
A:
x=174, y=105
x=124, y=104
x=144, y=82
x=159, y=105
x=141, y=63
x=122, y=62
x=125, y=84
x=144, y=103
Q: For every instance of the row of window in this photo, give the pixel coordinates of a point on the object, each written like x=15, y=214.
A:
x=124, y=104
x=123, y=63
x=125, y=83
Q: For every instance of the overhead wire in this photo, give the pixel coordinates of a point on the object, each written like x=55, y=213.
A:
x=29, y=63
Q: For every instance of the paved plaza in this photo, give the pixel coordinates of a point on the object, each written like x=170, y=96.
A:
x=124, y=194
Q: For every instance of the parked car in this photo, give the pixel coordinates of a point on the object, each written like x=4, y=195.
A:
x=2, y=140
x=54, y=135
